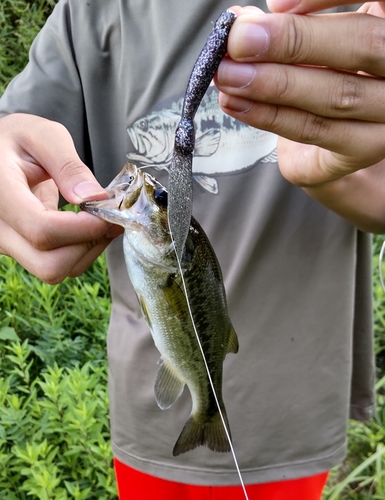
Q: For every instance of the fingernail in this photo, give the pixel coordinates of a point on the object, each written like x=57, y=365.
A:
x=232, y=74
x=88, y=190
x=282, y=5
x=236, y=104
x=251, y=40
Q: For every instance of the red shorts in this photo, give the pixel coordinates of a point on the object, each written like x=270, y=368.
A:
x=134, y=485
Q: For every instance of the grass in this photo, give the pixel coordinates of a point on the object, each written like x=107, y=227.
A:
x=20, y=21
x=362, y=475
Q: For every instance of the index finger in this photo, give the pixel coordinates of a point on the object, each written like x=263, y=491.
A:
x=347, y=41
x=305, y=6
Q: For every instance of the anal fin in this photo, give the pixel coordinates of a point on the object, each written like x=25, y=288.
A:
x=168, y=386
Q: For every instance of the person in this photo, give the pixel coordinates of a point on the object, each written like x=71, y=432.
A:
x=104, y=83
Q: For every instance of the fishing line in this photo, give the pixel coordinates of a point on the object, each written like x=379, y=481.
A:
x=208, y=373
x=381, y=258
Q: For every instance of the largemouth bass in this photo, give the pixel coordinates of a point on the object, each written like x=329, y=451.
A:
x=138, y=202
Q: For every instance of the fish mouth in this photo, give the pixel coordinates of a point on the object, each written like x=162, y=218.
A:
x=108, y=210
x=134, y=138
x=123, y=192
x=139, y=141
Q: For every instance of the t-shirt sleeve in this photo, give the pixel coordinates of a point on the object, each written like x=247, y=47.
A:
x=50, y=85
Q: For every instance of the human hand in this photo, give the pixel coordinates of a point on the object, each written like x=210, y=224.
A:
x=38, y=157
x=281, y=77
x=306, y=6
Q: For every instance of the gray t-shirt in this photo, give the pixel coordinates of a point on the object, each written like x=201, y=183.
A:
x=298, y=277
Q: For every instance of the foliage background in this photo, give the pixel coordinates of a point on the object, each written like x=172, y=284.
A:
x=54, y=429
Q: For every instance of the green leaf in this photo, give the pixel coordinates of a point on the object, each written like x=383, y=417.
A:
x=8, y=333
x=354, y=475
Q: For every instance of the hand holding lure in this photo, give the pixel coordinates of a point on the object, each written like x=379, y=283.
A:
x=180, y=178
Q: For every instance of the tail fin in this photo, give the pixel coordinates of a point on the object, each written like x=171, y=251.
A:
x=201, y=431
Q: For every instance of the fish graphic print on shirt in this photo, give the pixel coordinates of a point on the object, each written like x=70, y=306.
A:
x=219, y=138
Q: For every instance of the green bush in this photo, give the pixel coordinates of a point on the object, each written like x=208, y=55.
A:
x=379, y=306
x=54, y=428
x=20, y=21
x=362, y=475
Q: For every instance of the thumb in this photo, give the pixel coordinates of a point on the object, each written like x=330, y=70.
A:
x=57, y=155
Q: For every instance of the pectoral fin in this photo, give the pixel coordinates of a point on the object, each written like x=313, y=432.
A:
x=207, y=143
x=143, y=305
x=168, y=386
x=208, y=183
x=176, y=300
x=233, y=344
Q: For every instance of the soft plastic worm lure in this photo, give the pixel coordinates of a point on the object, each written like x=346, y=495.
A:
x=180, y=178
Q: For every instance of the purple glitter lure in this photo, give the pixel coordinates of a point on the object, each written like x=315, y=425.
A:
x=180, y=178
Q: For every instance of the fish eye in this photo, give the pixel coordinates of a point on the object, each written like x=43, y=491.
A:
x=160, y=196
x=143, y=125
x=126, y=185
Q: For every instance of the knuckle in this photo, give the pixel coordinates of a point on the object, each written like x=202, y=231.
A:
x=372, y=48
x=51, y=271
x=76, y=273
x=69, y=168
x=349, y=94
x=283, y=86
x=275, y=83
x=38, y=240
x=314, y=129
x=295, y=40
x=92, y=244
x=43, y=236
x=53, y=279
x=272, y=119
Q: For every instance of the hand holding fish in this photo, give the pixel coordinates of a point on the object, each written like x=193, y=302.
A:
x=37, y=158
x=317, y=80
